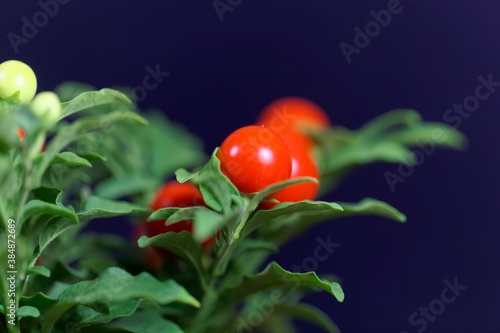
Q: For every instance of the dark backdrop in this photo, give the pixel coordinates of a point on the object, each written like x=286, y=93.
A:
x=223, y=72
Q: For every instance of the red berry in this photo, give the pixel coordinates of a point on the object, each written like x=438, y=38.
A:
x=254, y=157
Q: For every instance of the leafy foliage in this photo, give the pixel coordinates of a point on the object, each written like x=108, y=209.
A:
x=93, y=170
x=388, y=138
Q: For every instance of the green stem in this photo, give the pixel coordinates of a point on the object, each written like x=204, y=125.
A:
x=250, y=208
x=210, y=297
x=25, y=191
x=27, y=164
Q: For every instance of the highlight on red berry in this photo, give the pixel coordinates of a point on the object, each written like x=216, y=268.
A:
x=254, y=157
x=175, y=194
x=293, y=116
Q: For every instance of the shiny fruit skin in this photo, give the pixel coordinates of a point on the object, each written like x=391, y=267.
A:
x=293, y=116
x=303, y=165
x=17, y=76
x=254, y=157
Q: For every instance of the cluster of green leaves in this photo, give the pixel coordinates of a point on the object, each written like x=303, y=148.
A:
x=388, y=138
x=235, y=285
x=247, y=237
x=103, y=159
x=67, y=280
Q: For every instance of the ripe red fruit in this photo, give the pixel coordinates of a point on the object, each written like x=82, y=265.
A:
x=175, y=194
x=293, y=115
x=303, y=165
x=254, y=157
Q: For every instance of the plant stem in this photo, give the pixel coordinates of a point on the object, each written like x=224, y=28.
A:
x=197, y=324
x=25, y=184
x=208, y=298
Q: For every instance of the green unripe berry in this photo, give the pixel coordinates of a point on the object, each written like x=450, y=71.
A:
x=17, y=76
x=47, y=107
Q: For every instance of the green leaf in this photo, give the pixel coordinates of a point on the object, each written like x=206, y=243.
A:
x=91, y=99
x=146, y=154
x=279, y=186
x=25, y=118
x=245, y=258
x=146, y=322
x=308, y=313
x=121, y=186
x=12, y=100
x=174, y=214
x=365, y=153
x=93, y=244
x=61, y=270
x=46, y=194
x=182, y=244
x=249, y=245
x=37, y=207
x=92, y=156
x=283, y=229
x=28, y=311
x=71, y=89
x=116, y=285
x=216, y=188
x=182, y=175
x=436, y=133
x=96, y=207
x=38, y=300
x=86, y=316
x=71, y=159
x=388, y=138
x=9, y=187
x=275, y=277
x=57, y=289
x=371, y=206
x=69, y=133
x=38, y=270
x=96, y=265
x=319, y=209
x=184, y=149
x=207, y=222
x=390, y=120
x=9, y=138
x=51, y=231
x=277, y=324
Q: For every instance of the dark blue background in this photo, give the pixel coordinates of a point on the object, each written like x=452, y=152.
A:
x=223, y=73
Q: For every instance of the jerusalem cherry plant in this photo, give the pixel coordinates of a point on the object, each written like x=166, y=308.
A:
x=195, y=232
